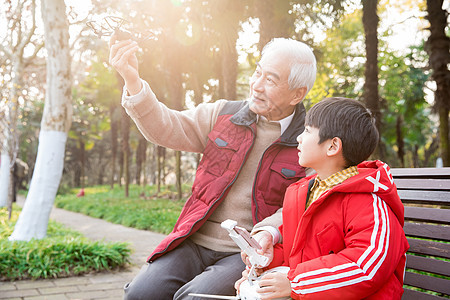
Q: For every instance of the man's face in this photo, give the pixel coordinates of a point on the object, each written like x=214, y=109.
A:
x=270, y=95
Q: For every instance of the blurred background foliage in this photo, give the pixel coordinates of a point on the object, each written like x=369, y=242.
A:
x=206, y=50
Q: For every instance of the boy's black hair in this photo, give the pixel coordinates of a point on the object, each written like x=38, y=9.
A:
x=348, y=120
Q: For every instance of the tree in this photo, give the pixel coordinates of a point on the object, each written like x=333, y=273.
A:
x=89, y=124
x=55, y=124
x=406, y=114
x=275, y=20
x=141, y=157
x=402, y=78
x=371, y=97
x=438, y=48
x=21, y=23
x=100, y=91
x=340, y=67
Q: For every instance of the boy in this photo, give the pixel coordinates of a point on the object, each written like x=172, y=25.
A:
x=343, y=227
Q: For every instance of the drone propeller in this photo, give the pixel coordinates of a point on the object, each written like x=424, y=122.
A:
x=112, y=25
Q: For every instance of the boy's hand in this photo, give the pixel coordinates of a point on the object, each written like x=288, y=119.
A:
x=274, y=285
x=264, y=238
x=122, y=57
x=238, y=283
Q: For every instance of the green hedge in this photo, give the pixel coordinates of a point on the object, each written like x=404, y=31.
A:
x=62, y=253
x=142, y=209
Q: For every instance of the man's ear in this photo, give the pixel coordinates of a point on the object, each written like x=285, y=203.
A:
x=299, y=94
x=334, y=146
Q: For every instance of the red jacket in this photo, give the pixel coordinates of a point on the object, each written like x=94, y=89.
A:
x=349, y=243
x=229, y=143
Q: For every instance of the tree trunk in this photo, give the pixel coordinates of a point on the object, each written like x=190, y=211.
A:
x=12, y=134
x=177, y=98
x=400, y=143
x=430, y=151
x=55, y=124
x=163, y=165
x=103, y=162
x=438, y=45
x=220, y=75
x=140, y=158
x=444, y=134
x=159, y=156
x=274, y=20
x=121, y=166
x=227, y=16
x=77, y=176
x=126, y=150
x=178, y=172
x=416, y=156
x=198, y=90
x=10, y=192
x=230, y=67
x=112, y=109
x=82, y=163
x=33, y=220
x=153, y=165
x=370, y=21
x=4, y=178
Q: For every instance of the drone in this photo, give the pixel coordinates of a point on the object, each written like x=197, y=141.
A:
x=112, y=25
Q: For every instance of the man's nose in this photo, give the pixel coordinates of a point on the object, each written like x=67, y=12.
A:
x=258, y=84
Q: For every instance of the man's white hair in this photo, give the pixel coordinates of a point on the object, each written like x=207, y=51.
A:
x=302, y=61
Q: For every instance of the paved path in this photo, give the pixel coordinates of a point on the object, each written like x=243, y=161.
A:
x=106, y=285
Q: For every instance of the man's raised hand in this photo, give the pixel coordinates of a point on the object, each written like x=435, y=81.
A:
x=122, y=56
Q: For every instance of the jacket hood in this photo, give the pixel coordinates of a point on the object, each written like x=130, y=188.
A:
x=375, y=177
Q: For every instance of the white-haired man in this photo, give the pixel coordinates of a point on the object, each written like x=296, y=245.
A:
x=249, y=159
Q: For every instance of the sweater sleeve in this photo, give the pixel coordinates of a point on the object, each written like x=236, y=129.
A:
x=271, y=225
x=373, y=249
x=179, y=130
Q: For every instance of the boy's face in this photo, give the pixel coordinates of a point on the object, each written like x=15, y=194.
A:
x=310, y=153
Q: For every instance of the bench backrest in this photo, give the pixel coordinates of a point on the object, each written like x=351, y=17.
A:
x=425, y=193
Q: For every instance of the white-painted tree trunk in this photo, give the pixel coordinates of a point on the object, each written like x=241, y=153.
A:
x=47, y=174
x=55, y=124
x=4, y=179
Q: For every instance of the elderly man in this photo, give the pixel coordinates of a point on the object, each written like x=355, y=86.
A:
x=249, y=159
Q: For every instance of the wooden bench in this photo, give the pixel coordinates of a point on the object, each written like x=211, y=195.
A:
x=425, y=192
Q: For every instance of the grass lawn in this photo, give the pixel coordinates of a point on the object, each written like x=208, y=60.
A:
x=143, y=209
x=62, y=253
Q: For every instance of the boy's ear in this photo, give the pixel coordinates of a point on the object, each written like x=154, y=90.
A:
x=334, y=146
x=299, y=94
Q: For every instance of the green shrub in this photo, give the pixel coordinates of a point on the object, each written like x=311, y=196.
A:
x=62, y=253
x=142, y=209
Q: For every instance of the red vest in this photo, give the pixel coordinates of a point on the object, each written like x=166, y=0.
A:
x=226, y=151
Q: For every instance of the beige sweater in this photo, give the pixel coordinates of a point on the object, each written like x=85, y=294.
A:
x=188, y=131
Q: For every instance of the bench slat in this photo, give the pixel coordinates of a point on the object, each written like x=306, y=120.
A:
x=435, y=284
x=421, y=172
x=427, y=231
x=422, y=184
x=441, y=216
x=429, y=248
x=416, y=295
x=428, y=265
x=425, y=197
